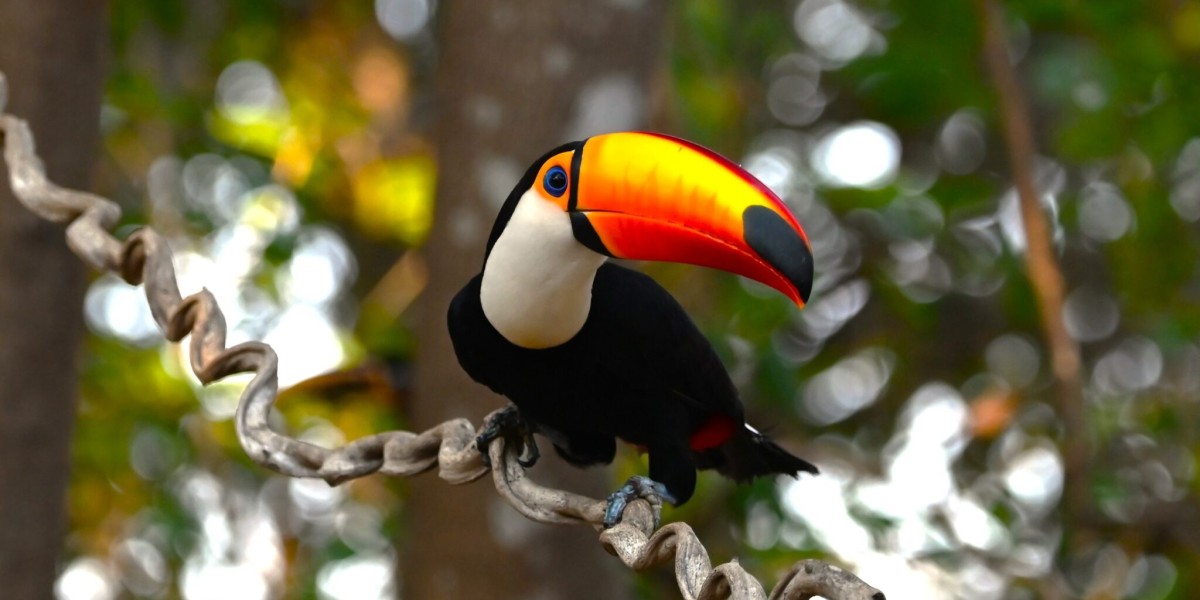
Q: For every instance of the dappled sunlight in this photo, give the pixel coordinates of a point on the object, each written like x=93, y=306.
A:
x=976, y=267
x=926, y=510
x=86, y=579
x=976, y=527
x=213, y=186
x=360, y=577
x=849, y=386
x=289, y=156
x=307, y=343
x=219, y=400
x=838, y=31
x=300, y=323
x=315, y=500
x=819, y=503
x=237, y=550
x=1104, y=214
x=1013, y=358
x=1090, y=314
x=247, y=92
x=835, y=308
x=115, y=308
x=961, y=143
x=1185, y=192
x=251, y=110
x=216, y=580
x=271, y=210
x=403, y=19
x=1034, y=478
x=863, y=154
x=143, y=567
x=776, y=167
x=1136, y=364
x=794, y=96
x=321, y=267
x=931, y=435
x=1151, y=577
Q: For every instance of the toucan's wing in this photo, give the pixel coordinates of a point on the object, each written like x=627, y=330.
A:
x=480, y=349
x=652, y=344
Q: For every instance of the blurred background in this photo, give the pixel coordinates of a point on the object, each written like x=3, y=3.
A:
x=329, y=170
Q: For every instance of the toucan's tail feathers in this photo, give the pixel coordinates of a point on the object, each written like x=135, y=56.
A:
x=749, y=454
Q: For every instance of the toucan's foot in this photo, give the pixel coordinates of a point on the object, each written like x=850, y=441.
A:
x=529, y=451
x=637, y=487
x=509, y=424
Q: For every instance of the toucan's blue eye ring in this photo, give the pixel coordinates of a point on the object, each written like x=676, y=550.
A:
x=555, y=181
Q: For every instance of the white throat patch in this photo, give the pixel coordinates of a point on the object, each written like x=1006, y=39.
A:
x=537, y=282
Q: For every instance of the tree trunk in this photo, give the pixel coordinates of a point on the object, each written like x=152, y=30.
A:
x=51, y=53
x=515, y=79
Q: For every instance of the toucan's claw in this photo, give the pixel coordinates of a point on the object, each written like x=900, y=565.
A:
x=509, y=424
x=637, y=487
x=529, y=452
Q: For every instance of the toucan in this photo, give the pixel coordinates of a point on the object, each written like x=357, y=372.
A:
x=589, y=351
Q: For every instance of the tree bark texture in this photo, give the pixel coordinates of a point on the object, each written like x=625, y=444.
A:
x=51, y=52
x=515, y=79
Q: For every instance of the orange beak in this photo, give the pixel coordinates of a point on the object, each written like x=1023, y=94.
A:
x=648, y=196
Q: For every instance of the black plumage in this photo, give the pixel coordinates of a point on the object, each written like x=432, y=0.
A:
x=639, y=370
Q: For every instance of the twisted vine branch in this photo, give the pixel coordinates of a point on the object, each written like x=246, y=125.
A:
x=145, y=258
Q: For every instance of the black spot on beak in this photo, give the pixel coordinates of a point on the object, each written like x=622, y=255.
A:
x=778, y=244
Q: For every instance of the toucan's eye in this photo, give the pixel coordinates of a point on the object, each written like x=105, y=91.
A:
x=555, y=181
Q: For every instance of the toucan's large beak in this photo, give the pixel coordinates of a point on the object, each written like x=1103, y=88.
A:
x=647, y=196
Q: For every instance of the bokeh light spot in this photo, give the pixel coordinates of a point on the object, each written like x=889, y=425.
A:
x=248, y=92
x=864, y=154
x=961, y=146
x=117, y=309
x=1104, y=215
x=85, y=579
x=836, y=30
x=1034, y=477
x=1014, y=358
x=847, y=387
x=1090, y=314
x=357, y=578
x=404, y=20
x=307, y=344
